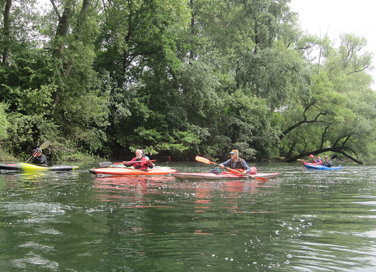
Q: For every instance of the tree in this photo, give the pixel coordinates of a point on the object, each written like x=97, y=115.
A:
x=137, y=45
x=184, y=78
x=334, y=116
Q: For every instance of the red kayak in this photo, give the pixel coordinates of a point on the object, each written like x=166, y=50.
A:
x=310, y=163
x=224, y=176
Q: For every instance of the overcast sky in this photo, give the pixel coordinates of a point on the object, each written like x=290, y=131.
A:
x=337, y=17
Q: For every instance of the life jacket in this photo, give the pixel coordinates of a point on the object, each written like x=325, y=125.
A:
x=141, y=164
x=327, y=163
x=237, y=165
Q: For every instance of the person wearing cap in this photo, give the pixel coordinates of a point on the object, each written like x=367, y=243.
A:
x=327, y=162
x=39, y=158
x=140, y=161
x=237, y=163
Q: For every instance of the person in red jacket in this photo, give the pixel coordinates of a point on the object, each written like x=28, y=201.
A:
x=318, y=160
x=140, y=162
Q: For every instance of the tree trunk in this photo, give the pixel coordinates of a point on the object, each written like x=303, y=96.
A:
x=61, y=32
x=191, y=55
x=6, y=31
x=62, y=29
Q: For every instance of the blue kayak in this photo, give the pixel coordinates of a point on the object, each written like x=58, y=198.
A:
x=314, y=166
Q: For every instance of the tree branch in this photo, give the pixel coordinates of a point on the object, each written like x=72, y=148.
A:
x=351, y=158
x=323, y=136
x=304, y=121
x=357, y=71
x=304, y=48
x=323, y=150
x=347, y=138
x=55, y=9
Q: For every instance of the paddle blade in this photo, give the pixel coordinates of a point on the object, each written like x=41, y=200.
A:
x=334, y=156
x=105, y=164
x=204, y=160
x=260, y=178
x=45, y=145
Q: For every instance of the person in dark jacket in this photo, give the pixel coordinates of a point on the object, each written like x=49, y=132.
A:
x=140, y=162
x=39, y=158
x=327, y=162
x=237, y=163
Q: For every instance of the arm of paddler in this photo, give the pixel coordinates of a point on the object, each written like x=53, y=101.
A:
x=246, y=168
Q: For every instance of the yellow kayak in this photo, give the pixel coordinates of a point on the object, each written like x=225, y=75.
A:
x=32, y=168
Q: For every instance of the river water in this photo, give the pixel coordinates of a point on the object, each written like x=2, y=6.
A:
x=300, y=221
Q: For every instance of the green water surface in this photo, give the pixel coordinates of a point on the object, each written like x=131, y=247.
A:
x=300, y=221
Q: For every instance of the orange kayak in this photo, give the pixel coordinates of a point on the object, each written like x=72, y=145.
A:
x=132, y=172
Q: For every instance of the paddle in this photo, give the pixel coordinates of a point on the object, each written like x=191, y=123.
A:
x=161, y=159
x=108, y=164
x=43, y=146
x=207, y=161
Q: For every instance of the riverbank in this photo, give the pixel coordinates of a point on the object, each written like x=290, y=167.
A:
x=68, y=157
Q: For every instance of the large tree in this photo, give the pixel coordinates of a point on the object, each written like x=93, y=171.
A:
x=337, y=114
x=183, y=77
x=49, y=77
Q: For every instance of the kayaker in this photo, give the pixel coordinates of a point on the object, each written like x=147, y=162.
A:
x=39, y=158
x=327, y=162
x=237, y=163
x=140, y=162
x=318, y=160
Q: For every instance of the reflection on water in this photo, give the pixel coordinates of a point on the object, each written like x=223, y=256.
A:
x=300, y=221
x=137, y=189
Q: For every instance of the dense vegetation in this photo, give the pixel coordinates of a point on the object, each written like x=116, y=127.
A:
x=105, y=77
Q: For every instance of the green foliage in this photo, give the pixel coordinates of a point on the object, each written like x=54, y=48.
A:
x=183, y=78
x=35, y=101
x=4, y=123
x=75, y=156
x=334, y=116
x=177, y=142
x=21, y=129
